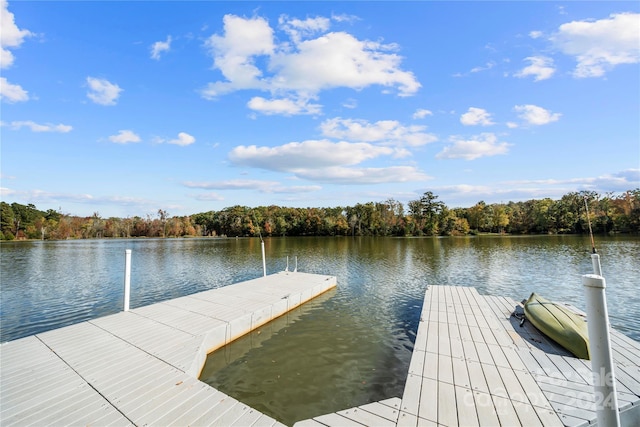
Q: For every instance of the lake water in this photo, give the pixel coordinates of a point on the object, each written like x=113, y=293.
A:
x=349, y=346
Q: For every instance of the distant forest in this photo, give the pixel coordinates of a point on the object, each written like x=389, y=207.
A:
x=426, y=216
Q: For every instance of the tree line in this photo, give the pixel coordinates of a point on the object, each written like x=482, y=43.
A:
x=426, y=216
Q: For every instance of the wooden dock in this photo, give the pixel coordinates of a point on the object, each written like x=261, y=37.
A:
x=141, y=367
x=473, y=365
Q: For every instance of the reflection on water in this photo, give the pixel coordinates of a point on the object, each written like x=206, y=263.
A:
x=318, y=359
x=346, y=348
x=355, y=347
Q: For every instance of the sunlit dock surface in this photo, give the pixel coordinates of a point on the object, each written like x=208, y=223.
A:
x=473, y=365
x=141, y=367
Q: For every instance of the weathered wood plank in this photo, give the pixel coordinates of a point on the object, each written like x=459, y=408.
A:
x=366, y=418
x=477, y=377
x=304, y=423
x=409, y=420
x=447, y=413
x=336, y=420
x=428, y=402
x=487, y=415
x=382, y=410
x=411, y=395
x=532, y=390
x=466, y=408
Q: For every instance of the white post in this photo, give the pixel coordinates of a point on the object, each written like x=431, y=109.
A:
x=287, y=269
x=595, y=261
x=604, y=381
x=296, y=268
x=127, y=278
x=264, y=261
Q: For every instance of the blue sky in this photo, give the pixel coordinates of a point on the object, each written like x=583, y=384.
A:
x=124, y=108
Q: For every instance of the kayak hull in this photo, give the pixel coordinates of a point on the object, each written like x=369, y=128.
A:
x=557, y=322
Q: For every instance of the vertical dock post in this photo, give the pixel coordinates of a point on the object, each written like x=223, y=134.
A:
x=127, y=278
x=604, y=381
x=287, y=269
x=296, y=267
x=264, y=261
x=595, y=262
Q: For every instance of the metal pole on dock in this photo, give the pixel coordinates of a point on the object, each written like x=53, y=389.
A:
x=264, y=260
x=604, y=381
x=127, y=278
x=595, y=261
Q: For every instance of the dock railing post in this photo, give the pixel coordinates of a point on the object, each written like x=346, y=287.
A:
x=595, y=261
x=127, y=278
x=264, y=260
x=604, y=381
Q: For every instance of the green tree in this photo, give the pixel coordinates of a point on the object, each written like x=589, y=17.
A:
x=7, y=221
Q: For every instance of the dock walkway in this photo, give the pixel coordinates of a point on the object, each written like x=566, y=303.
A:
x=141, y=367
x=473, y=365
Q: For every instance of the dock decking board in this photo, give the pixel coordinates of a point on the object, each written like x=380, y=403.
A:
x=140, y=367
x=473, y=365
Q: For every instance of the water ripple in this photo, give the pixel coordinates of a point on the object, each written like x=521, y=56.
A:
x=348, y=347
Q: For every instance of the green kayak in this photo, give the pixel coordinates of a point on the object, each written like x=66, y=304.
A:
x=559, y=323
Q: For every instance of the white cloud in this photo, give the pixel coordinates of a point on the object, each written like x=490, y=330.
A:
x=182, y=140
x=234, y=54
x=599, y=46
x=541, y=67
x=350, y=103
x=340, y=60
x=630, y=175
x=124, y=137
x=534, y=115
x=294, y=189
x=103, y=92
x=209, y=197
x=325, y=161
x=232, y=184
x=489, y=65
x=535, y=34
x=483, y=145
x=617, y=182
x=302, y=67
x=285, y=107
x=297, y=156
x=476, y=116
x=12, y=36
x=57, y=198
x=347, y=176
x=159, y=47
x=251, y=184
x=35, y=127
x=12, y=93
x=500, y=192
x=385, y=131
x=421, y=113
x=298, y=29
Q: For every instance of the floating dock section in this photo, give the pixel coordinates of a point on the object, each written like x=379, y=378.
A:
x=141, y=367
x=473, y=365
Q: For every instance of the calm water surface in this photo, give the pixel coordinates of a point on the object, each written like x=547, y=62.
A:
x=348, y=347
